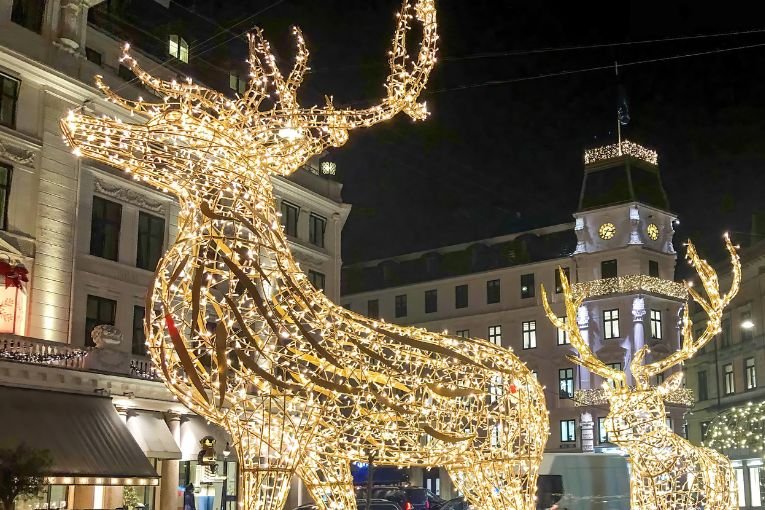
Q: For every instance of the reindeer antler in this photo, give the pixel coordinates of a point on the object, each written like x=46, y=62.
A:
x=586, y=357
x=713, y=306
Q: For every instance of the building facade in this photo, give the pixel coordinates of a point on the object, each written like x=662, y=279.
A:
x=621, y=240
x=725, y=377
x=78, y=246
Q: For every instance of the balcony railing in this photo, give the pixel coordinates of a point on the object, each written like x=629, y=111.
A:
x=22, y=349
x=40, y=352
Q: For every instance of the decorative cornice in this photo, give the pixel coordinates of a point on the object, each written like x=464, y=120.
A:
x=130, y=196
x=16, y=153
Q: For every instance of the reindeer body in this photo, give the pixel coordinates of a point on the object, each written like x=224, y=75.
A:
x=242, y=338
x=666, y=471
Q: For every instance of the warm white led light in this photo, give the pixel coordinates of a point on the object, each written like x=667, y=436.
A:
x=242, y=338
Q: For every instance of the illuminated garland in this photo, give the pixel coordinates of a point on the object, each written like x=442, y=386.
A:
x=600, y=396
x=629, y=284
x=626, y=148
x=242, y=338
x=41, y=359
x=668, y=472
x=738, y=427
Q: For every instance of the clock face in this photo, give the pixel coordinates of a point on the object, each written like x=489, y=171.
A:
x=653, y=231
x=607, y=231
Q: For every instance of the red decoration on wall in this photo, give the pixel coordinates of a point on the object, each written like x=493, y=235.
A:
x=513, y=388
x=15, y=276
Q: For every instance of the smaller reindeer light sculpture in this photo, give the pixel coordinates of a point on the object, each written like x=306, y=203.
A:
x=668, y=472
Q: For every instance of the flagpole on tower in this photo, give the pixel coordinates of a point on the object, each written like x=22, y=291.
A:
x=618, y=114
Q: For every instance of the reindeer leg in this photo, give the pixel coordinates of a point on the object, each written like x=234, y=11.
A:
x=269, y=451
x=496, y=484
x=327, y=477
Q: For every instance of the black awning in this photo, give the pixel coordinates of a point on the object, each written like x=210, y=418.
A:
x=88, y=441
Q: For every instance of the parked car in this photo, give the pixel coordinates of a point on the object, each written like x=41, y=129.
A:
x=408, y=498
x=361, y=504
x=377, y=504
x=458, y=503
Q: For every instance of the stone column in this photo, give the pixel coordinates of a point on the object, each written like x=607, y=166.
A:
x=168, y=499
x=583, y=322
x=588, y=438
x=635, y=226
x=337, y=248
x=638, y=330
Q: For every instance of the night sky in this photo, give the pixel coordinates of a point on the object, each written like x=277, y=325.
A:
x=494, y=159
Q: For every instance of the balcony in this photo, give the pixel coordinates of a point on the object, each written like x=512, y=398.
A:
x=20, y=349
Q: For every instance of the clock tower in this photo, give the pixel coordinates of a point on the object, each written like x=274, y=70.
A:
x=623, y=208
x=624, y=255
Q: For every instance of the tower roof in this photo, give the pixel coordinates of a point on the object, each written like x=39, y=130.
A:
x=620, y=173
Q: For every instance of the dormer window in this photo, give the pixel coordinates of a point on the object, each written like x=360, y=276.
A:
x=178, y=48
x=237, y=83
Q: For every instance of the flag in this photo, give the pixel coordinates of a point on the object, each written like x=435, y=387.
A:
x=623, y=109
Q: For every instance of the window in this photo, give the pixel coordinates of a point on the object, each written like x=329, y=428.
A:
x=28, y=14
x=105, y=225
x=347, y=306
x=139, y=335
x=492, y=292
x=725, y=332
x=93, y=56
x=747, y=332
x=527, y=285
x=568, y=431
x=461, y=296
x=317, y=225
x=401, y=305
x=317, y=279
x=237, y=83
x=653, y=268
x=464, y=333
x=704, y=426
x=495, y=335
x=563, y=334
x=608, y=269
x=9, y=96
x=558, y=283
x=151, y=239
x=750, y=375
x=611, y=323
x=659, y=378
x=615, y=366
x=373, y=309
x=566, y=382
x=125, y=73
x=668, y=421
x=602, y=432
x=178, y=47
x=529, y=333
x=99, y=311
x=431, y=301
x=290, y=218
x=728, y=379
x=656, y=324
x=701, y=377
x=6, y=171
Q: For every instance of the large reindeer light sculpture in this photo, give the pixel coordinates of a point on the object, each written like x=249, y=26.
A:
x=241, y=336
x=667, y=472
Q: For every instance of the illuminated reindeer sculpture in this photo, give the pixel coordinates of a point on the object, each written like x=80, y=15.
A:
x=667, y=472
x=243, y=339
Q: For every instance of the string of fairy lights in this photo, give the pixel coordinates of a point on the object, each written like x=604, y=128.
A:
x=242, y=338
x=668, y=472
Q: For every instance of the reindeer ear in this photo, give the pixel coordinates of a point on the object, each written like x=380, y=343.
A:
x=674, y=382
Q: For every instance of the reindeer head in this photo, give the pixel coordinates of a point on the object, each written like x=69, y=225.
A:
x=198, y=141
x=638, y=410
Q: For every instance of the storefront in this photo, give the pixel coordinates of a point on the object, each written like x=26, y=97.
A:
x=94, y=455
x=208, y=469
